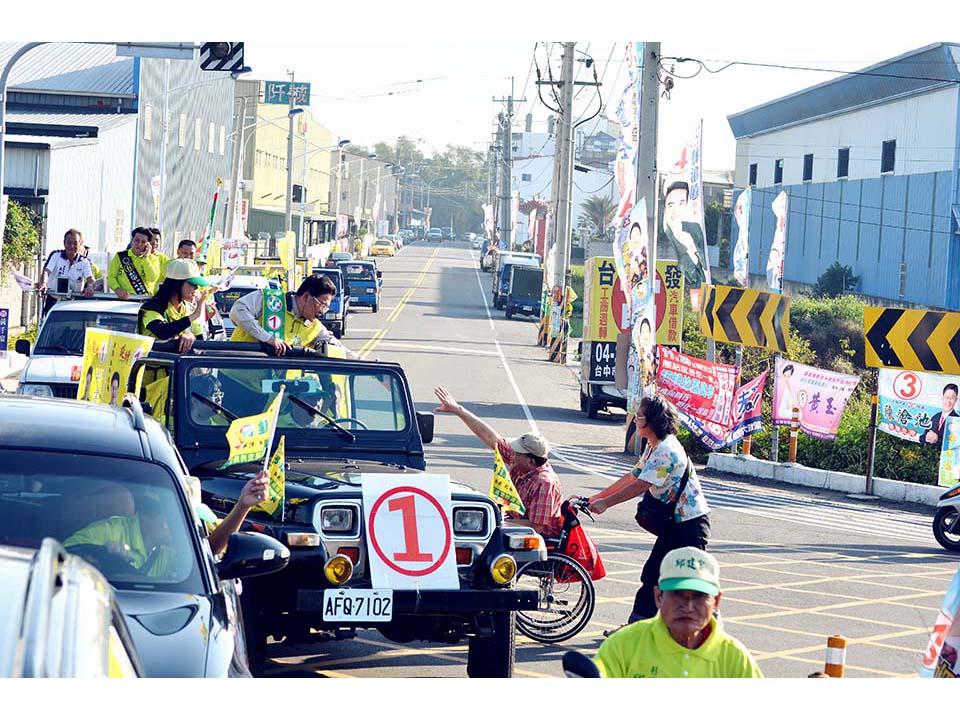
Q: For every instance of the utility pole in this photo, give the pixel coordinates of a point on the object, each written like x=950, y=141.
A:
x=288, y=226
x=565, y=178
x=505, y=166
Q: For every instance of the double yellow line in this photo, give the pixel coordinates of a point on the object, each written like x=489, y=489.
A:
x=371, y=344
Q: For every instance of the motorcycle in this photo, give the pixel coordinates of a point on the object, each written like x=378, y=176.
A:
x=946, y=523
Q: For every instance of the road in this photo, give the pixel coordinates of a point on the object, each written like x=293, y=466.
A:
x=796, y=565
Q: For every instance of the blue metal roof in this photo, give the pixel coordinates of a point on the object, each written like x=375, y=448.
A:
x=70, y=68
x=917, y=71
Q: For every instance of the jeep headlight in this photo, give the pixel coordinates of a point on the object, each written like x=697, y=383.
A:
x=469, y=521
x=337, y=519
x=35, y=390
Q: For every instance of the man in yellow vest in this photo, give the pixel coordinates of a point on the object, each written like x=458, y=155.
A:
x=300, y=319
x=135, y=271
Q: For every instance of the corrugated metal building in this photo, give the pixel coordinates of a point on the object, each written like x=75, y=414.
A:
x=870, y=163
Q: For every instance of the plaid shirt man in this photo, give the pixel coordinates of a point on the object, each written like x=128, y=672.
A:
x=540, y=491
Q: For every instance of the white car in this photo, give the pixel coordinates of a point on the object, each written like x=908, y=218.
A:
x=241, y=285
x=55, y=363
x=476, y=241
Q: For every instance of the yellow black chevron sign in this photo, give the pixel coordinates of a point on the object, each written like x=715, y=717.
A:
x=748, y=317
x=912, y=339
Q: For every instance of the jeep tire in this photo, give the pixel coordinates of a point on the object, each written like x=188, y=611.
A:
x=493, y=657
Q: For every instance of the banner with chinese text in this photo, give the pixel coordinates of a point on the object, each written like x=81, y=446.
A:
x=699, y=388
x=669, y=300
x=747, y=418
x=820, y=395
x=914, y=405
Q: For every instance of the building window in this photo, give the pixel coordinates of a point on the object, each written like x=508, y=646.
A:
x=778, y=171
x=197, y=134
x=903, y=278
x=148, y=122
x=223, y=138
x=753, y=174
x=211, y=138
x=525, y=177
x=259, y=158
x=843, y=162
x=808, y=167
x=888, y=156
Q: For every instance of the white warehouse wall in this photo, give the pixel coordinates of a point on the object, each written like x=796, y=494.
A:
x=924, y=127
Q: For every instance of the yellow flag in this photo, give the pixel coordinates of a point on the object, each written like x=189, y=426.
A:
x=276, y=491
x=502, y=489
x=250, y=437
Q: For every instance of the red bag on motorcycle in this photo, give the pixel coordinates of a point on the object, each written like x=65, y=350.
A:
x=581, y=548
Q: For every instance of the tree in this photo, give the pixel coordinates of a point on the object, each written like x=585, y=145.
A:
x=598, y=210
x=21, y=241
x=836, y=280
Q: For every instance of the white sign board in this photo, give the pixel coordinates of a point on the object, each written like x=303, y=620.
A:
x=410, y=532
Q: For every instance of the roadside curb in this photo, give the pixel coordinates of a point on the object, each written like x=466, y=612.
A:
x=793, y=474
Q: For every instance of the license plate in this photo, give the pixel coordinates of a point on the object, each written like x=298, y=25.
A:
x=342, y=605
x=371, y=291
x=528, y=308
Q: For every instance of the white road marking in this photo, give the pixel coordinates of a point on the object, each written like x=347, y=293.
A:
x=447, y=348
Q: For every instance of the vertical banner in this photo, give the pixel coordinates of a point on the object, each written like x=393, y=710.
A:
x=820, y=395
x=488, y=220
x=915, y=405
x=605, y=299
x=632, y=251
x=208, y=233
x=155, y=191
x=669, y=299
x=779, y=247
x=950, y=454
x=741, y=253
x=628, y=115
x=341, y=226
x=4, y=330
x=941, y=654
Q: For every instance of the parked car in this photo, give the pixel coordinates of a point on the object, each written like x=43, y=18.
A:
x=335, y=318
x=343, y=420
x=476, y=241
x=56, y=361
x=340, y=256
x=501, y=278
x=365, y=282
x=397, y=240
x=435, y=235
x=524, y=291
x=447, y=233
x=60, y=618
x=115, y=494
x=407, y=235
x=383, y=246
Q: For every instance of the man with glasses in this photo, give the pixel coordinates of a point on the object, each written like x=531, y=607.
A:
x=302, y=326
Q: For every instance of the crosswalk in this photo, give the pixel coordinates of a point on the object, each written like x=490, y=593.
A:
x=798, y=507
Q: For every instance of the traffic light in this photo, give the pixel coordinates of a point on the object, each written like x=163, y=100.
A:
x=222, y=56
x=299, y=193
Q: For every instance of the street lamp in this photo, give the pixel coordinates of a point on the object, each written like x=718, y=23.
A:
x=289, y=212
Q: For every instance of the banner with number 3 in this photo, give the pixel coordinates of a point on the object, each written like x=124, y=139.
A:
x=410, y=532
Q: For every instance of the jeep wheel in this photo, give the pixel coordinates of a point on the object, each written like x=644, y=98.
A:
x=492, y=657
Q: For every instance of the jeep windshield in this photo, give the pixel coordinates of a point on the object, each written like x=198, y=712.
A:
x=63, y=331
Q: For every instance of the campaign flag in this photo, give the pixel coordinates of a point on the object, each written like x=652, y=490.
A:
x=950, y=454
x=628, y=115
x=502, y=490
x=250, y=437
x=741, y=252
x=779, y=247
x=747, y=418
x=820, y=395
x=25, y=283
x=915, y=405
x=940, y=659
x=208, y=233
x=276, y=491
x=699, y=388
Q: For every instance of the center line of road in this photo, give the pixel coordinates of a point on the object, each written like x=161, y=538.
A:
x=503, y=359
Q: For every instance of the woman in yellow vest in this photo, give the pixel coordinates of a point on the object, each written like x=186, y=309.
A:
x=176, y=309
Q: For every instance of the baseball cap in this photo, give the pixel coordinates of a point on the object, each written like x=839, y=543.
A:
x=183, y=269
x=531, y=444
x=690, y=568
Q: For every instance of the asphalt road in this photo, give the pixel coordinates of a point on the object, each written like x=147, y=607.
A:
x=796, y=565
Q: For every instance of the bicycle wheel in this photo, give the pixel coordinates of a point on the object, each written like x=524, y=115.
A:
x=566, y=599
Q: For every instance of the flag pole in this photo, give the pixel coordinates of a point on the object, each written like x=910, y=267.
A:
x=273, y=429
x=208, y=233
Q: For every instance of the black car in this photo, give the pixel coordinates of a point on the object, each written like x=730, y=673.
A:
x=341, y=420
x=113, y=492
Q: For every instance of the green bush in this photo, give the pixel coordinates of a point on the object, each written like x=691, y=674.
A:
x=21, y=241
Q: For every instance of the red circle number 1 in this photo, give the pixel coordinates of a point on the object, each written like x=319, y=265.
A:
x=411, y=540
x=405, y=504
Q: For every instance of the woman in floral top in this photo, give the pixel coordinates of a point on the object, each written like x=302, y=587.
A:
x=660, y=472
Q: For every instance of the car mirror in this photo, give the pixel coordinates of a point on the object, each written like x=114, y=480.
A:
x=379, y=274
x=425, y=426
x=250, y=554
x=22, y=346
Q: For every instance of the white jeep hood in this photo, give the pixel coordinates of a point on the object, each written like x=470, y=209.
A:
x=52, y=369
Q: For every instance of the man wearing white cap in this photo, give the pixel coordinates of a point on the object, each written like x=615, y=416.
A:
x=683, y=639
x=526, y=458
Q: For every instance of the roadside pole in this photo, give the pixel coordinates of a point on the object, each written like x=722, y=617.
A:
x=288, y=224
x=564, y=205
x=775, y=430
x=739, y=365
x=872, y=442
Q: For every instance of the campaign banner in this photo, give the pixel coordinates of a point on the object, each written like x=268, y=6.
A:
x=628, y=115
x=747, y=418
x=108, y=357
x=940, y=659
x=914, y=405
x=669, y=300
x=820, y=395
x=4, y=329
x=741, y=252
x=949, y=472
x=699, y=388
x=605, y=301
x=779, y=247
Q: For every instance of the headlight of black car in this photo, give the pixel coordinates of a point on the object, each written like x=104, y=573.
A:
x=469, y=521
x=338, y=519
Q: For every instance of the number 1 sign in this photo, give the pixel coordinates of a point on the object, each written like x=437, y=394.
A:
x=409, y=532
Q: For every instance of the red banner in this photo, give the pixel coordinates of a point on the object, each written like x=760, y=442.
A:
x=701, y=389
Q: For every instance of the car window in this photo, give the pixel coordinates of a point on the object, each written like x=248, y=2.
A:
x=226, y=298
x=358, y=272
x=122, y=515
x=63, y=332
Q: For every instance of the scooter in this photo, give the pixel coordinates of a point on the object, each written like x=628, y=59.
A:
x=946, y=523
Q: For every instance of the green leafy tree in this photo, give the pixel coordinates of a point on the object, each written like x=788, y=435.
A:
x=21, y=241
x=836, y=280
x=598, y=212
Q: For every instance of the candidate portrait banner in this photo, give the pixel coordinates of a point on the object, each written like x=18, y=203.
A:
x=699, y=388
x=945, y=637
x=747, y=418
x=914, y=405
x=741, y=252
x=820, y=396
x=949, y=472
x=108, y=357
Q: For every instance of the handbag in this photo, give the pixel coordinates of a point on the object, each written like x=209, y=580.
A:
x=655, y=516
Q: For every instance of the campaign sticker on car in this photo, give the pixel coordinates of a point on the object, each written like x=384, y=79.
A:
x=346, y=605
x=75, y=373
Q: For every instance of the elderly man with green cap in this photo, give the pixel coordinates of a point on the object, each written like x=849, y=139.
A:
x=684, y=638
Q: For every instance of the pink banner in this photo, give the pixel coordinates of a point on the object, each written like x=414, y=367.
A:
x=701, y=389
x=820, y=395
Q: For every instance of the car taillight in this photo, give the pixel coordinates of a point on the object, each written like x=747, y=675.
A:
x=464, y=556
x=351, y=552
